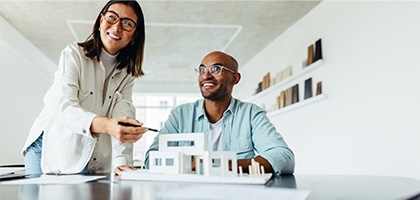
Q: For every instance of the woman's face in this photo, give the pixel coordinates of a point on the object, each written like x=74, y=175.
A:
x=113, y=36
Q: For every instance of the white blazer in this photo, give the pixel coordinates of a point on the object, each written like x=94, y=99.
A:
x=79, y=93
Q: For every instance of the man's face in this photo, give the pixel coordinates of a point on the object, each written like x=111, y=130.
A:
x=216, y=87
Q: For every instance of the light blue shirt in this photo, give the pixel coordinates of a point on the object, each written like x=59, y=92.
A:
x=246, y=129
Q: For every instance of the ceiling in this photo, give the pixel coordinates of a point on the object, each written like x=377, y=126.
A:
x=178, y=33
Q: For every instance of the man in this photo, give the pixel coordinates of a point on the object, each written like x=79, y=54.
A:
x=231, y=125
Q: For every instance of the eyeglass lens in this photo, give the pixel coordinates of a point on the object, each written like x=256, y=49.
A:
x=214, y=70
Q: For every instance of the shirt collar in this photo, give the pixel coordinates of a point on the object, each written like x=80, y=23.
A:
x=201, y=112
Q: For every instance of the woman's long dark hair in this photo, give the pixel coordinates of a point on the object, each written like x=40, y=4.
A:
x=131, y=55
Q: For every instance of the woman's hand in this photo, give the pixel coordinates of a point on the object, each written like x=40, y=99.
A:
x=122, y=133
x=118, y=170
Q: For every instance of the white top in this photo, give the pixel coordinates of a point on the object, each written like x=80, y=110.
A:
x=215, y=141
x=109, y=61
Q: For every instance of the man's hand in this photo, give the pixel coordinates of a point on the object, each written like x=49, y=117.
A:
x=193, y=163
x=263, y=162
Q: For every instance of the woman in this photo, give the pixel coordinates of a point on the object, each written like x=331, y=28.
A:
x=77, y=131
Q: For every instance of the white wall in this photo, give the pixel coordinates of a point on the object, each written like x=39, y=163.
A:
x=24, y=75
x=369, y=124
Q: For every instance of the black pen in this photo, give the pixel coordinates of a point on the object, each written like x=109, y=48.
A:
x=133, y=125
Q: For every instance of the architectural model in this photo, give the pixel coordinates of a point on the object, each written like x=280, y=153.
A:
x=179, y=153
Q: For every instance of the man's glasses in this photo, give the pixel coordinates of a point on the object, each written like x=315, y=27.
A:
x=126, y=23
x=214, y=70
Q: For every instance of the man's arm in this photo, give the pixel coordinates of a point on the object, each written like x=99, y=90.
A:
x=270, y=144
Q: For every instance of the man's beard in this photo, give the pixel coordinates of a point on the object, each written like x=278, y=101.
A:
x=215, y=95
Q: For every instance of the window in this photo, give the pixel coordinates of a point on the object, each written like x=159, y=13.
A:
x=153, y=110
x=163, y=104
x=158, y=162
x=169, y=162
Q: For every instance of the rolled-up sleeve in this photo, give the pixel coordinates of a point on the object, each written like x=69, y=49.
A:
x=270, y=144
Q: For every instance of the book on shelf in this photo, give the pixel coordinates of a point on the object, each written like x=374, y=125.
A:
x=319, y=88
x=287, y=72
x=318, y=50
x=310, y=59
x=279, y=77
x=262, y=85
x=308, y=88
x=295, y=94
x=259, y=88
x=288, y=96
x=281, y=100
x=266, y=81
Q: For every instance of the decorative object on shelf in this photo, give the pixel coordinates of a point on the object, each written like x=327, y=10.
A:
x=300, y=104
x=277, y=86
x=295, y=93
x=304, y=63
x=287, y=72
x=310, y=58
x=266, y=81
x=281, y=101
x=279, y=77
x=318, y=50
x=288, y=97
x=308, y=88
x=319, y=88
x=283, y=74
x=264, y=84
x=259, y=88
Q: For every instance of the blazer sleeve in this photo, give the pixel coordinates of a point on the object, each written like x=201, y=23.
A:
x=122, y=153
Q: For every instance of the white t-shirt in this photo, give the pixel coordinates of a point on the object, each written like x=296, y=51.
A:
x=215, y=140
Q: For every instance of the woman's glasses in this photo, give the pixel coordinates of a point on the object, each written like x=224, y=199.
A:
x=127, y=24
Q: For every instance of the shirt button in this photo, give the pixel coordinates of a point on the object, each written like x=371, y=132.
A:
x=246, y=147
x=91, y=93
x=84, y=131
x=109, y=97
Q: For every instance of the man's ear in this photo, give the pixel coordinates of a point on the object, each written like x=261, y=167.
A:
x=237, y=78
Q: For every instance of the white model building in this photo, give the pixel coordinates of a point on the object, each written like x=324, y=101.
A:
x=176, y=150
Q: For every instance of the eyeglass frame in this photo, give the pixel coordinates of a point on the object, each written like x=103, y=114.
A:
x=208, y=68
x=119, y=19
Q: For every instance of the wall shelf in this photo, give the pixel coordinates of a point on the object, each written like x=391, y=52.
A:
x=304, y=71
x=299, y=104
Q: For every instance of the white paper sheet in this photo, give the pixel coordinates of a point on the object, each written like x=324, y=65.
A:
x=53, y=179
x=229, y=192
